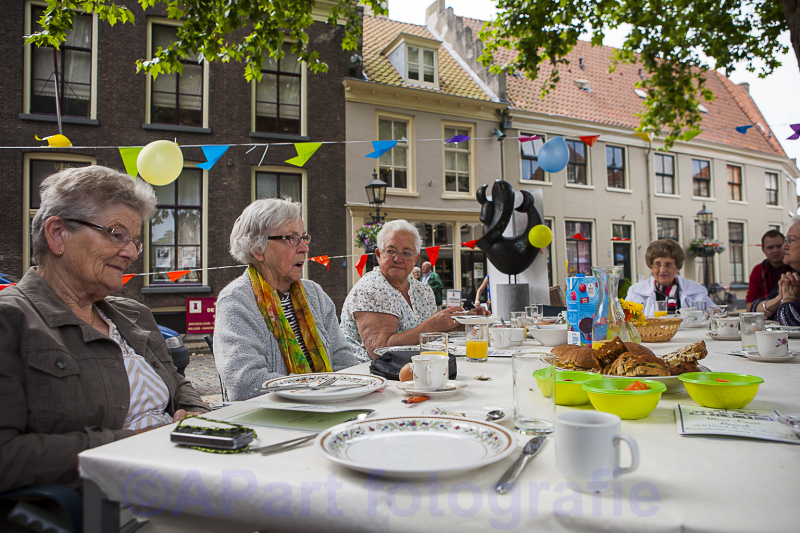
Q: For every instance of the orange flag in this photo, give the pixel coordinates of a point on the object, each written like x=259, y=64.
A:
x=175, y=275
x=322, y=260
x=126, y=278
x=362, y=262
x=470, y=244
x=589, y=139
x=433, y=253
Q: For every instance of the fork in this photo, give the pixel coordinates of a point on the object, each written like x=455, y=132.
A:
x=313, y=386
x=282, y=446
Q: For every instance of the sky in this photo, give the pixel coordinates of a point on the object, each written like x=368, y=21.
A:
x=771, y=94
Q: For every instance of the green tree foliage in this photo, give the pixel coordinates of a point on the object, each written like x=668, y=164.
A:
x=224, y=30
x=675, y=41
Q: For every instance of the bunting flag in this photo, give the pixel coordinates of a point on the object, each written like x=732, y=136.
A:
x=6, y=285
x=796, y=129
x=212, y=153
x=322, y=260
x=470, y=244
x=175, y=275
x=129, y=157
x=457, y=139
x=56, y=141
x=691, y=134
x=304, y=153
x=589, y=139
x=362, y=262
x=646, y=136
x=126, y=278
x=433, y=253
x=380, y=148
x=526, y=139
x=743, y=129
x=579, y=237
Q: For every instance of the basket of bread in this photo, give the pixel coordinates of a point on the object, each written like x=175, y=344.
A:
x=659, y=329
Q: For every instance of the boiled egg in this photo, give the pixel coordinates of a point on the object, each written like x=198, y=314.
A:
x=406, y=374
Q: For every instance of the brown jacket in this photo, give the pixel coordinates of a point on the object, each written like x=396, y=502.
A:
x=63, y=385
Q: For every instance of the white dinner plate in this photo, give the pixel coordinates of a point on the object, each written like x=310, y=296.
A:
x=415, y=447
x=467, y=410
x=774, y=359
x=716, y=337
x=476, y=319
x=371, y=384
x=412, y=348
x=703, y=324
x=452, y=387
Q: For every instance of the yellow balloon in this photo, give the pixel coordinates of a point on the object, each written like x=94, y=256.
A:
x=540, y=236
x=160, y=162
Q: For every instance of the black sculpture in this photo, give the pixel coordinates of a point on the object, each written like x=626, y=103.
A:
x=510, y=255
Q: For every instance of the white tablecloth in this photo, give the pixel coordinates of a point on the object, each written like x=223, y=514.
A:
x=682, y=484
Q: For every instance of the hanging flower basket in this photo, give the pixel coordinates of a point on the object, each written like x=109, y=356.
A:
x=705, y=247
x=367, y=236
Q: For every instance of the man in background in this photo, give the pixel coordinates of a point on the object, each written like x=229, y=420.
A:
x=432, y=278
x=764, y=277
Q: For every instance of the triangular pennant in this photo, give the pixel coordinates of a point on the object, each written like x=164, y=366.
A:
x=362, y=262
x=433, y=253
x=589, y=139
x=127, y=277
x=212, y=153
x=470, y=244
x=56, y=141
x=380, y=148
x=322, y=260
x=177, y=274
x=526, y=139
x=457, y=139
x=796, y=129
x=304, y=153
x=6, y=286
x=129, y=157
x=691, y=134
x=579, y=237
x=743, y=129
x=646, y=136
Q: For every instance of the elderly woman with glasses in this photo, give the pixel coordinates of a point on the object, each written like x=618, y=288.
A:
x=270, y=322
x=783, y=304
x=80, y=368
x=387, y=307
x=665, y=258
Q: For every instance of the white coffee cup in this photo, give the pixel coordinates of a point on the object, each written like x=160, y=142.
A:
x=499, y=337
x=728, y=327
x=773, y=343
x=587, y=449
x=517, y=335
x=430, y=371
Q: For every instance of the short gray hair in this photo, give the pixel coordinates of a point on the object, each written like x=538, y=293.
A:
x=84, y=192
x=257, y=222
x=396, y=226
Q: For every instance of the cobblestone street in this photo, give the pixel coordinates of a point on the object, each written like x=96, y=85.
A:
x=202, y=372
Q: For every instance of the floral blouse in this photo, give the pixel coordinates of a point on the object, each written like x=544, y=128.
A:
x=374, y=294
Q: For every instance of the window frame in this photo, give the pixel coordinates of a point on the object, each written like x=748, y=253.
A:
x=767, y=175
x=421, y=50
x=709, y=180
x=624, y=169
x=303, y=103
x=742, y=249
x=732, y=184
x=585, y=164
x=411, y=182
x=630, y=242
x=590, y=240
x=161, y=21
x=28, y=64
x=550, y=222
x=523, y=158
x=677, y=227
x=661, y=176
x=470, y=157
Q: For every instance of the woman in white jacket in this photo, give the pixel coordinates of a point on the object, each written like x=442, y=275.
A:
x=665, y=258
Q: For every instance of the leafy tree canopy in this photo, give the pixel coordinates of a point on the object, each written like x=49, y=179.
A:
x=675, y=42
x=224, y=30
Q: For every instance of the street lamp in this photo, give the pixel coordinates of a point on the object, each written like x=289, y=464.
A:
x=376, y=196
x=705, y=217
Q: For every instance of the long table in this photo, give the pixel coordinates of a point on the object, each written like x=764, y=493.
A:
x=682, y=483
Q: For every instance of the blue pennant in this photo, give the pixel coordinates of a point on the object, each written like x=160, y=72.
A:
x=212, y=153
x=743, y=129
x=380, y=147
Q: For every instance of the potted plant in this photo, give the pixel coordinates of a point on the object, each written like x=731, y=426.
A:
x=705, y=247
x=366, y=236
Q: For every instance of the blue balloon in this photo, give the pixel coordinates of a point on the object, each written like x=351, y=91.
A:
x=554, y=155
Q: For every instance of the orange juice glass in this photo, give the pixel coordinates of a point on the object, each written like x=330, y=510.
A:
x=433, y=344
x=477, y=343
x=659, y=314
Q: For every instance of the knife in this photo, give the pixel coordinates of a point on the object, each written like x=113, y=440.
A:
x=510, y=476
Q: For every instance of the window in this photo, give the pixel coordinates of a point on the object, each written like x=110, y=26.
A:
x=579, y=247
x=734, y=183
x=705, y=268
x=457, y=161
x=615, y=166
x=665, y=174
x=421, y=65
x=73, y=62
x=393, y=164
x=701, y=177
x=736, y=248
x=279, y=185
x=176, y=228
x=668, y=228
x=771, y=185
x=278, y=99
x=621, y=244
x=576, y=168
x=530, y=159
x=176, y=99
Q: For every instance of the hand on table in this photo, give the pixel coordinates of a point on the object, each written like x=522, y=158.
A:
x=180, y=414
x=789, y=286
x=443, y=320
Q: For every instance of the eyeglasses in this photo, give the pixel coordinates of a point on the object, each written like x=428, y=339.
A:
x=118, y=236
x=667, y=266
x=790, y=240
x=294, y=240
x=408, y=256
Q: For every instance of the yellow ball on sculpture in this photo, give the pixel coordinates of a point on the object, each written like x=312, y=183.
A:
x=540, y=236
x=160, y=162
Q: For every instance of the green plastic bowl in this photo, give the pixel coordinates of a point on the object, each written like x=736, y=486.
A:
x=704, y=388
x=609, y=396
x=569, y=383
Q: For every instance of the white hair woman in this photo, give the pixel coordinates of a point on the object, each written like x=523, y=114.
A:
x=269, y=321
x=387, y=307
x=80, y=368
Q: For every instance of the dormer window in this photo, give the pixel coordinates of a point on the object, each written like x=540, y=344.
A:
x=415, y=58
x=421, y=60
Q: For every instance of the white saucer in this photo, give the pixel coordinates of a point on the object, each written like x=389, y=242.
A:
x=475, y=319
x=453, y=387
x=778, y=359
x=716, y=337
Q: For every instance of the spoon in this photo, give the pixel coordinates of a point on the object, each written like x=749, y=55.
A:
x=497, y=414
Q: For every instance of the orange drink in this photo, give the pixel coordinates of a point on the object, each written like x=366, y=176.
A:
x=659, y=314
x=430, y=352
x=477, y=349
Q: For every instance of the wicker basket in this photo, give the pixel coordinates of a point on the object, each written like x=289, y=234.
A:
x=659, y=329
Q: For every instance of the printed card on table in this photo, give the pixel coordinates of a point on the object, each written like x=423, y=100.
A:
x=696, y=421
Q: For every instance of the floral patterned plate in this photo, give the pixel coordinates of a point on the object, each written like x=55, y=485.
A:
x=414, y=447
x=329, y=395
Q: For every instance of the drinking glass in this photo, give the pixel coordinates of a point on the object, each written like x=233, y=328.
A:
x=717, y=312
x=518, y=319
x=534, y=313
x=749, y=323
x=477, y=343
x=433, y=344
x=534, y=395
x=661, y=309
